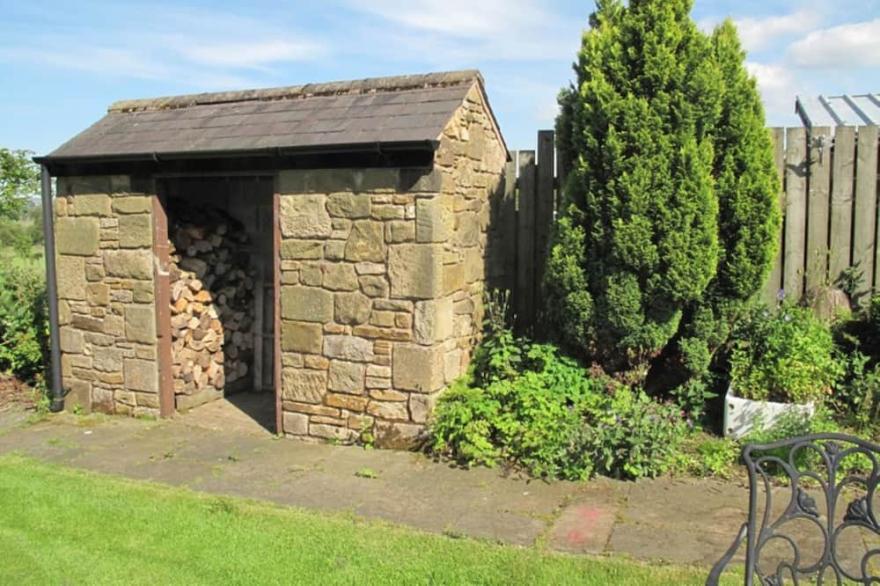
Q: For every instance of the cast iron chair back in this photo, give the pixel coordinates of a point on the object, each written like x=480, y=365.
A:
x=829, y=451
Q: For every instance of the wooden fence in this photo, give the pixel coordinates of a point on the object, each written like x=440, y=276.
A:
x=829, y=203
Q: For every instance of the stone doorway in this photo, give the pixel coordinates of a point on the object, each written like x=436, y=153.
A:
x=219, y=343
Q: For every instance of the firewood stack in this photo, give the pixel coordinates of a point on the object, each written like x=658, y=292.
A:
x=212, y=302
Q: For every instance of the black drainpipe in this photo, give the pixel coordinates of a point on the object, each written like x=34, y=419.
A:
x=56, y=391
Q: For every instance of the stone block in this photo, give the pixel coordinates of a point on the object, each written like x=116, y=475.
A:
x=452, y=365
x=418, y=368
x=71, y=340
x=415, y=271
x=141, y=375
x=352, y=308
x=301, y=337
x=77, y=394
x=366, y=242
x=421, y=406
x=390, y=411
x=77, y=236
x=304, y=386
x=434, y=219
x=349, y=205
x=348, y=402
x=394, y=435
x=71, y=277
x=135, y=231
x=87, y=322
x=340, y=277
x=302, y=249
x=129, y=264
x=350, y=348
x=138, y=204
x=347, y=377
x=374, y=285
x=420, y=180
x=92, y=205
x=305, y=216
x=306, y=304
x=332, y=432
x=474, y=265
x=140, y=323
x=398, y=231
x=295, y=423
x=453, y=278
x=103, y=401
x=433, y=320
x=108, y=360
x=98, y=294
x=467, y=229
x=334, y=249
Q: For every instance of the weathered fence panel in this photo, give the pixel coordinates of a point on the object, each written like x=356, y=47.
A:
x=840, y=247
x=829, y=201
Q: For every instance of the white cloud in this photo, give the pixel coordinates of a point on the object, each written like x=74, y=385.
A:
x=758, y=33
x=453, y=33
x=253, y=54
x=845, y=46
x=779, y=87
x=459, y=18
x=198, y=48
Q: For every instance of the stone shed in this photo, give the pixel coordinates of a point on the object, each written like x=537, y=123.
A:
x=322, y=246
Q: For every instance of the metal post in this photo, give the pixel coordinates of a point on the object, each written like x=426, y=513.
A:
x=57, y=392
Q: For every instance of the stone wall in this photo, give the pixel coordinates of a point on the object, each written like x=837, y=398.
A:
x=104, y=240
x=382, y=274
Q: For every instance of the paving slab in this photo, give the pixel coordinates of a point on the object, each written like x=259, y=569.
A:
x=689, y=521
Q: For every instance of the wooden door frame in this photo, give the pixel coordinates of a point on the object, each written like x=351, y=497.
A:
x=162, y=280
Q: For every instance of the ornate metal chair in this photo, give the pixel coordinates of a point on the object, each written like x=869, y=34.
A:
x=839, y=470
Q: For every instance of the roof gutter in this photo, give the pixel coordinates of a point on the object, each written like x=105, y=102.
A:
x=156, y=157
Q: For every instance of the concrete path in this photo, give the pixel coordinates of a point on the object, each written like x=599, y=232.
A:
x=215, y=450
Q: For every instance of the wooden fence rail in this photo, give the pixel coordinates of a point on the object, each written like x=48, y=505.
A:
x=829, y=203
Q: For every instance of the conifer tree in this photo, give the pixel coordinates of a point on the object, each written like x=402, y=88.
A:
x=746, y=186
x=637, y=243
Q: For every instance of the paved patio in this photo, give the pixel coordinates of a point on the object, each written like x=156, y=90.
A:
x=221, y=449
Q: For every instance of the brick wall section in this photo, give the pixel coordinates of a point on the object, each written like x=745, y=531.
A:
x=382, y=276
x=104, y=240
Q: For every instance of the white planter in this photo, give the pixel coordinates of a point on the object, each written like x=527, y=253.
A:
x=740, y=414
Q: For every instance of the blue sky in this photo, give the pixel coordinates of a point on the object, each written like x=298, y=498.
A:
x=62, y=63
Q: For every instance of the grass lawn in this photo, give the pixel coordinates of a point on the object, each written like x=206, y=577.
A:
x=64, y=526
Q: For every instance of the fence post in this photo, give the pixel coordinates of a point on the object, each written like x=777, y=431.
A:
x=795, y=212
x=840, y=255
x=525, y=245
x=818, y=207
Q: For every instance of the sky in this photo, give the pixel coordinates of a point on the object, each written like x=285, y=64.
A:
x=62, y=63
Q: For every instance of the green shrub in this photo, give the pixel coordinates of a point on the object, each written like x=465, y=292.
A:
x=24, y=327
x=787, y=356
x=549, y=416
x=799, y=424
x=856, y=397
x=707, y=455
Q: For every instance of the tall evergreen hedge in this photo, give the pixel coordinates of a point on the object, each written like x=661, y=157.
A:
x=669, y=202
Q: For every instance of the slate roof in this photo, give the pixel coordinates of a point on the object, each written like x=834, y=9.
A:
x=845, y=110
x=331, y=116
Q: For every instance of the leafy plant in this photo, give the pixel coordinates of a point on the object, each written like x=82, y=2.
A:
x=19, y=180
x=787, y=355
x=550, y=416
x=24, y=327
x=856, y=397
x=707, y=455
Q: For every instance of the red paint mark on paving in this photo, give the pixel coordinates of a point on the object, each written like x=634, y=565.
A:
x=586, y=519
x=575, y=537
